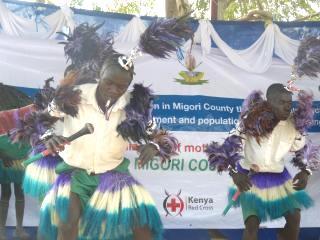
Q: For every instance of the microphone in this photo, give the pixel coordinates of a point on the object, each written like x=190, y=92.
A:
x=87, y=129
x=254, y=168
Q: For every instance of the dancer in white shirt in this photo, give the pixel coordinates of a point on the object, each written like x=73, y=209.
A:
x=266, y=133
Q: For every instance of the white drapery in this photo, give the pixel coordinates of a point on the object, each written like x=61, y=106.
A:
x=45, y=27
x=258, y=57
x=255, y=59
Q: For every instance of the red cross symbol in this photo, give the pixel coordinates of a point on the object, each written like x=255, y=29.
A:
x=173, y=205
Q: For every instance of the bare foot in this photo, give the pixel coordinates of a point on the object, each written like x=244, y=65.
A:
x=21, y=234
x=279, y=236
x=216, y=234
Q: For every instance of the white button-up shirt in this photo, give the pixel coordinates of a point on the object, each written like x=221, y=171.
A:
x=269, y=154
x=102, y=150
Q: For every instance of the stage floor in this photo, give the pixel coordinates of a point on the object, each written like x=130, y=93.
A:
x=199, y=234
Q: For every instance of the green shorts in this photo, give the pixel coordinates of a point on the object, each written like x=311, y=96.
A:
x=84, y=185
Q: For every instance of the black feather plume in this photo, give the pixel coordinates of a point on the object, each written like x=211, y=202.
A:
x=163, y=36
x=307, y=61
x=67, y=99
x=44, y=96
x=84, y=44
x=86, y=50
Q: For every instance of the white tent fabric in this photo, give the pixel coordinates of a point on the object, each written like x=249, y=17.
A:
x=44, y=27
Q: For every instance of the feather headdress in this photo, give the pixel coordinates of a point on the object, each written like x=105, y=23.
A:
x=162, y=37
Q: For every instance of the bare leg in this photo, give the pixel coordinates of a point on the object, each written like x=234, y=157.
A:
x=4, y=206
x=251, y=228
x=20, y=232
x=142, y=233
x=69, y=230
x=292, y=228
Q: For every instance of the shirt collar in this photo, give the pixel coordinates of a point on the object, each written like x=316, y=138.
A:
x=88, y=96
x=286, y=122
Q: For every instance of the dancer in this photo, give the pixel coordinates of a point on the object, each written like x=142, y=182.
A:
x=14, y=105
x=103, y=200
x=266, y=133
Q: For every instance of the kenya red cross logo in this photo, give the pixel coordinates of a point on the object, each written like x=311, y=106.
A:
x=173, y=204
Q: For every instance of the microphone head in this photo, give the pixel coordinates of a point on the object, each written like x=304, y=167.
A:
x=90, y=127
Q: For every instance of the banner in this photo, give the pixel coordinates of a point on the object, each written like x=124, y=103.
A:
x=197, y=108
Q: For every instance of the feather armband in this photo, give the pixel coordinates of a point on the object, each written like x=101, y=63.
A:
x=223, y=156
x=168, y=144
x=307, y=157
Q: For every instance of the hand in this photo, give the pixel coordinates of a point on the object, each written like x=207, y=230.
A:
x=7, y=163
x=242, y=181
x=147, y=152
x=56, y=143
x=300, y=180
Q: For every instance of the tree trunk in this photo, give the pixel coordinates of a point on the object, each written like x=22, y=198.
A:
x=214, y=9
x=176, y=8
x=171, y=8
x=222, y=5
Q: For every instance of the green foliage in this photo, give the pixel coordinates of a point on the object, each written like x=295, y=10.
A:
x=201, y=9
x=127, y=7
x=282, y=10
x=145, y=7
x=76, y=3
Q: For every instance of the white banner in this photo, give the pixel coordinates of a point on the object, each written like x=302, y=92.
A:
x=198, y=110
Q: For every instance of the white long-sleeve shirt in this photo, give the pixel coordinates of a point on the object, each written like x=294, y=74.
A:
x=102, y=150
x=269, y=154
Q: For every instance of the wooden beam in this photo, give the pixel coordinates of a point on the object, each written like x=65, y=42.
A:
x=214, y=9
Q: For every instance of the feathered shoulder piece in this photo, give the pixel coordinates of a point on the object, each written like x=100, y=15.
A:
x=307, y=61
x=67, y=98
x=137, y=123
x=138, y=114
x=303, y=115
x=256, y=118
x=253, y=98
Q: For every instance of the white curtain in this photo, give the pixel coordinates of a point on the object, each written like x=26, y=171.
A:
x=258, y=57
x=41, y=27
x=131, y=32
x=255, y=59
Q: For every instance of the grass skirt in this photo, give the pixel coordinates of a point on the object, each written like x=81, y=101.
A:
x=271, y=196
x=118, y=206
